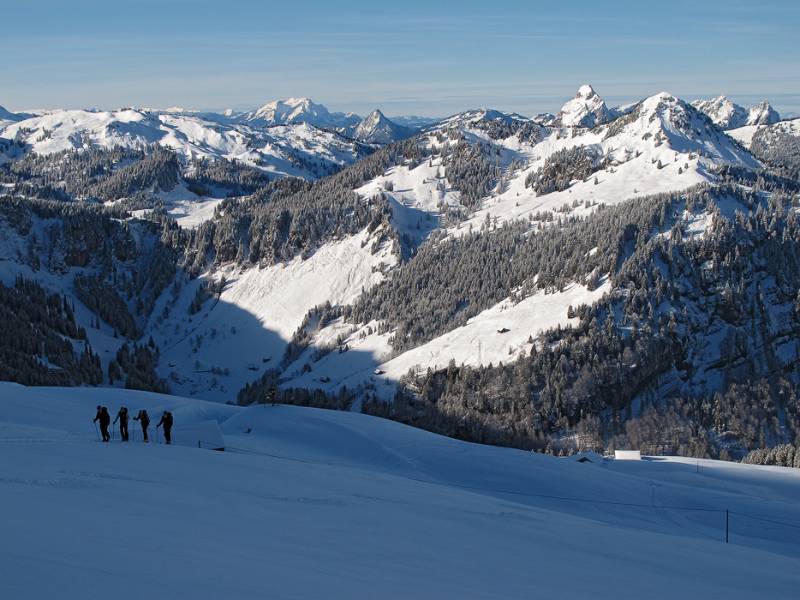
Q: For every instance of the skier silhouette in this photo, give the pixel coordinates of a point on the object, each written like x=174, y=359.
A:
x=104, y=419
x=122, y=417
x=144, y=420
x=166, y=421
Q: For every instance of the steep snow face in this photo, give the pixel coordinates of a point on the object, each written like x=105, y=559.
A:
x=762, y=114
x=299, y=110
x=586, y=109
x=299, y=150
x=309, y=488
x=723, y=112
x=212, y=354
x=377, y=129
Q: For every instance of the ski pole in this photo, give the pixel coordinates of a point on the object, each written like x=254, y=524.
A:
x=97, y=431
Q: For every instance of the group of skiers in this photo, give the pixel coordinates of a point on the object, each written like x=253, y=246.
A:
x=103, y=418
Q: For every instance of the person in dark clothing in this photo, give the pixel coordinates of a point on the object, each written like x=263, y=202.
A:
x=104, y=419
x=122, y=417
x=166, y=421
x=144, y=420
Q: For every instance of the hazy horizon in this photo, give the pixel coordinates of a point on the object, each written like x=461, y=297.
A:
x=525, y=57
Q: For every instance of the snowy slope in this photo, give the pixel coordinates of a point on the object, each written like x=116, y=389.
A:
x=416, y=195
x=315, y=503
x=477, y=119
x=214, y=353
x=50, y=271
x=299, y=150
x=498, y=334
x=662, y=145
x=745, y=134
x=187, y=208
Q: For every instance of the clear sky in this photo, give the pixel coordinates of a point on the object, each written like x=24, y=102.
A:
x=406, y=57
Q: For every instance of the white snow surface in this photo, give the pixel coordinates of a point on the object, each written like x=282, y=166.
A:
x=187, y=208
x=586, y=109
x=375, y=128
x=314, y=503
x=282, y=150
x=247, y=328
x=726, y=114
x=662, y=145
x=482, y=340
x=745, y=134
x=299, y=110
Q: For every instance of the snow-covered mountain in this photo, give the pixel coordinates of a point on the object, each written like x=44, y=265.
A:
x=723, y=112
x=762, y=114
x=586, y=109
x=298, y=149
x=282, y=285
x=299, y=110
x=375, y=128
x=726, y=114
x=661, y=145
x=491, y=124
x=768, y=133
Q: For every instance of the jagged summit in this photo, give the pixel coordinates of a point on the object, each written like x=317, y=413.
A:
x=586, y=109
x=377, y=129
x=762, y=114
x=726, y=114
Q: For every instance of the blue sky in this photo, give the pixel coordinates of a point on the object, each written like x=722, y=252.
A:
x=406, y=57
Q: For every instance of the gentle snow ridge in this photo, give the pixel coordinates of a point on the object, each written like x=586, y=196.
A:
x=309, y=503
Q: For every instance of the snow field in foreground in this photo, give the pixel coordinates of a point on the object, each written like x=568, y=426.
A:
x=315, y=503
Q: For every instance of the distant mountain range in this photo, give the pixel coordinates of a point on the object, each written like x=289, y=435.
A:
x=729, y=115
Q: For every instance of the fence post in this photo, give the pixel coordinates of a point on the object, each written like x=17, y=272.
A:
x=726, y=525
